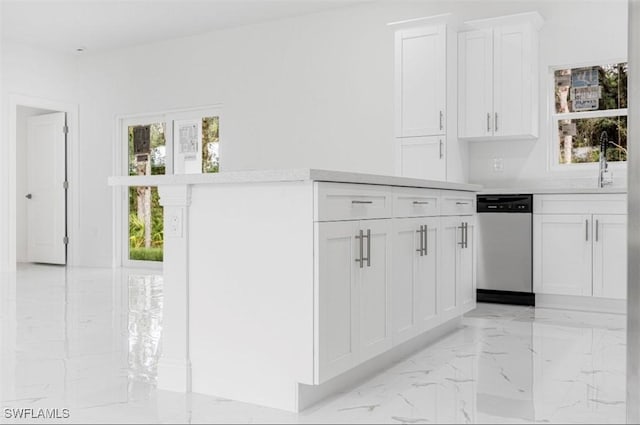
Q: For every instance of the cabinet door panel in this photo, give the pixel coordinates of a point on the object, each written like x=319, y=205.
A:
x=475, y=73
x=562, y=254
x=422, y=157
x=406, y=240
x=420, y=81
x=513, y=81
x=610, y=256
x=451, y=236
x=375, y=276
x=465, y=278
x=426, y=277
x=337, y=296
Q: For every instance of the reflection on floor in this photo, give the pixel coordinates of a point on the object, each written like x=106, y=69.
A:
x=88, y=340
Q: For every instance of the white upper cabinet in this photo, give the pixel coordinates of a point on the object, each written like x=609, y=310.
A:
x=498, y=78
x=475, y=98
x=420, y=87
x=421, y=157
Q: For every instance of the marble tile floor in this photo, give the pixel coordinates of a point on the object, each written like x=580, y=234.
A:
x=88, y=340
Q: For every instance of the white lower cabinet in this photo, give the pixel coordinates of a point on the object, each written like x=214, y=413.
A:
x=415, y=276
x=381, y=281
x=562, y=254
x=353, y=266
x=580, y=245
x=610, y=256
x=456, y=283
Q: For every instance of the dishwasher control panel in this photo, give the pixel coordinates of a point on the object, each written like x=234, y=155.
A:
x=505, y=203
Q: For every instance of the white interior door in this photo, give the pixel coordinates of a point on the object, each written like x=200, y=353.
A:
x=46, y=205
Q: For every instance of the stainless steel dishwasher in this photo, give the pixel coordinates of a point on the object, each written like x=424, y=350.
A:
x=505, y=272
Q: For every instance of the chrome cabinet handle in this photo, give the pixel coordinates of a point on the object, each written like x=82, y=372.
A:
x=421, y=249
x=361, y=202
x=441, y=149
x=586, y=230
x=466, y=235
x=420, y=202
x=425, y=240
x=488, y=122
x=462, y=203
x=360, y=237
x=597, y=225
x=28, y=196
x=495, y=126
x=441, y=124
x=368, y=248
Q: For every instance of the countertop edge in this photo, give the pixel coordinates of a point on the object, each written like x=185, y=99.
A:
x=289, y=175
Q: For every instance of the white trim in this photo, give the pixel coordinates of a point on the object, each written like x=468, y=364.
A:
x=73, y=227
x=581, y=303
x=590, y=114
x=121, y=165
x=553, y=68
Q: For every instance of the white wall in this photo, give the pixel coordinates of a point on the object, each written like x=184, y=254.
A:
x=312, y=91
x=35, y=74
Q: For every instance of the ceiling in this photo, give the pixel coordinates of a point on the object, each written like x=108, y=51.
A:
x=99, y=25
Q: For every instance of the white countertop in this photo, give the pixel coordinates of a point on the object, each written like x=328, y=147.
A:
x=552, y=190
x=289, y=175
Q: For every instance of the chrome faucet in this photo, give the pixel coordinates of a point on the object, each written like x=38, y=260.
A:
x=605, y=177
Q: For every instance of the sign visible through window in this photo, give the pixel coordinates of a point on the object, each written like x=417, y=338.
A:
x=589, y=101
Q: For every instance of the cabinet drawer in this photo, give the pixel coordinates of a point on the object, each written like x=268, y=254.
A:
x=458, y=203
x=342, y=201
x=409, y=202
x=606, y=203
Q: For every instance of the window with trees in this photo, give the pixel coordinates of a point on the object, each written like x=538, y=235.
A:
x=147, y=156
x=148, y=148
x=589, y=101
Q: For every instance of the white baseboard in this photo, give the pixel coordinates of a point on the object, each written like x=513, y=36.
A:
x=575, y=302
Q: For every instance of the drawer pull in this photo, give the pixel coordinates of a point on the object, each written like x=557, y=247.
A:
x=462, y=203
x=420, y=202
x=362, y=202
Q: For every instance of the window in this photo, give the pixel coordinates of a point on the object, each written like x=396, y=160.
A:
x=175, y=142
x=588, y=102
x=147, y=156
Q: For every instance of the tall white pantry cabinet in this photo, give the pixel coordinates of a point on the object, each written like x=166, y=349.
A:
x=421, y=114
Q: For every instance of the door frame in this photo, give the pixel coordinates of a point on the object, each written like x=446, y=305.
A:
x=72, y=210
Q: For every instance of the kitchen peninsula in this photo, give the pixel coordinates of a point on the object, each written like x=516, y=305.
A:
x=282, y=287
